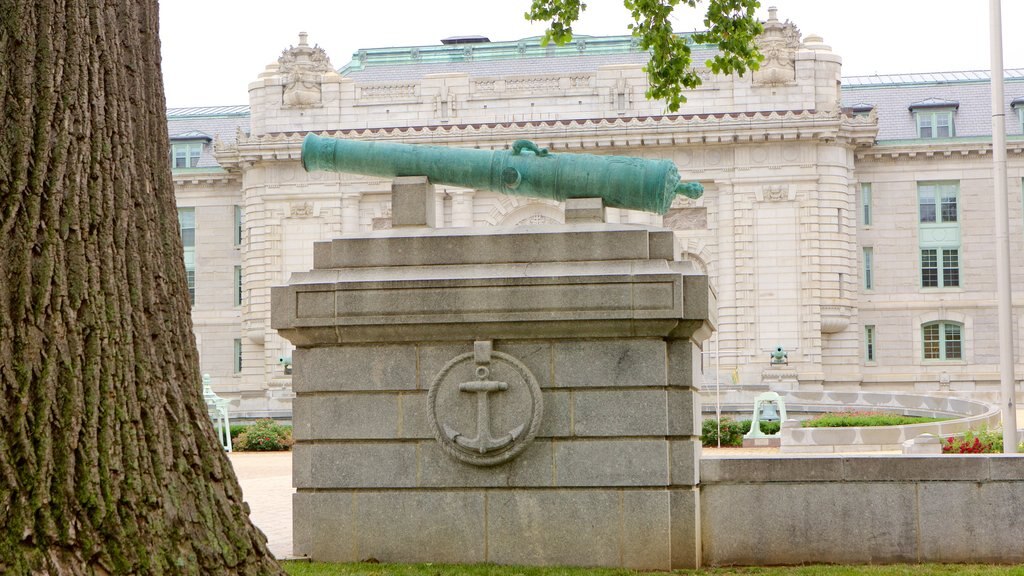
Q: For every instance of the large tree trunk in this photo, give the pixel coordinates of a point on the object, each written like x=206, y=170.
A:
x=108, y=460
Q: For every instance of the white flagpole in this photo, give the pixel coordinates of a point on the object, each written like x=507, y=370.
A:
x=1002, y=223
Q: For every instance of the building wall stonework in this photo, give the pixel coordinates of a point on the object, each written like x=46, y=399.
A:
x=779, y=229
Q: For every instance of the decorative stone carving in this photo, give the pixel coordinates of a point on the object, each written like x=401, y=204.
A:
x=301, y=209
x=387, y=92
x=779, y=44
x=485, y=407
x=580, y=81
x=775, y=193
x=537, y=220
x=695, y=218
x=534, y=84
x=303, y=68
x=835, y=318
x=484, y=85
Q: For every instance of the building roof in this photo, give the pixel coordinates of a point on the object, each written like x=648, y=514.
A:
x=929, y=77
x=207, y=111
x=896, y=97
x=492, y=59
x=207, y=123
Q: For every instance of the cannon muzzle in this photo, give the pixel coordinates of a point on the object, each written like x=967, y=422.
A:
x=525, y=170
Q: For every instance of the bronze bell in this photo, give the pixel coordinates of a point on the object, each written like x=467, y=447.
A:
x=769, y=412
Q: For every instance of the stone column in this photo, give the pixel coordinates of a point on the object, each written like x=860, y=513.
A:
x=508, y=396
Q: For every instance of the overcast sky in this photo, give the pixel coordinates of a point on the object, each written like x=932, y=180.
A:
x=212, y=49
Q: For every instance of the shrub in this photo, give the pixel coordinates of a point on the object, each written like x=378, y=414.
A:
x=732, y=431
x=264, y=435
x=983, y=441
x=862, y=418
x=237, y=429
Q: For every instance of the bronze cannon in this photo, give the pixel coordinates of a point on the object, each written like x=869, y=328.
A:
x=525, y=170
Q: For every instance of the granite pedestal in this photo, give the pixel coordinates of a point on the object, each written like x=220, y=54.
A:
x=517, y=396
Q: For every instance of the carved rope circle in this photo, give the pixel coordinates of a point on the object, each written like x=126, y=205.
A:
x=519, y=444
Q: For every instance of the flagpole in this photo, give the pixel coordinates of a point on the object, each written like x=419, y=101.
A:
x=1002, y=226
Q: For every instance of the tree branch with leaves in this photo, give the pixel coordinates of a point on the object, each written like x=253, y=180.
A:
x=731, y=26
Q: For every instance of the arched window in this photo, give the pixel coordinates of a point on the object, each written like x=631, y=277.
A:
x=942, y=340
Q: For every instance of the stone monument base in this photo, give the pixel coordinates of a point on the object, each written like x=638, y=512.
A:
x=517, y=396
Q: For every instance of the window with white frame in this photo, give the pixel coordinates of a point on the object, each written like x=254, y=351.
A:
x=187, y=225
x=869, y=265
x=238, y=285
x=238, y=356
x=938, y=202
x=869, y=343
x=185, y=154
x=865, y=203
x=939, y=233
x=239, y=220
x=942, y=341
x=940, y=268
x=934, y=123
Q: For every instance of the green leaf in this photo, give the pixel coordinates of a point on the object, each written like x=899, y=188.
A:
x=732, y=27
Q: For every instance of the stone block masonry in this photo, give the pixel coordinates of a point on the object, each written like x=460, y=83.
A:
x=512, y=396
x=862, y=510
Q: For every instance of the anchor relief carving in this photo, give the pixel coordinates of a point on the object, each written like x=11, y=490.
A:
x=501, y=434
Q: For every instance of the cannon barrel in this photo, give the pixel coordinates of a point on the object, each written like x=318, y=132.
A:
x=525, y=170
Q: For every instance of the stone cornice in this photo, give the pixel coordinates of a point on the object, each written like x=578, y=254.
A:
x=944, y=149
x=194, y=178
x=588, y=133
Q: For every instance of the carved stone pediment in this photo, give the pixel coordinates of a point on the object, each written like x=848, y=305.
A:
x=778, y=44
x=303, y=67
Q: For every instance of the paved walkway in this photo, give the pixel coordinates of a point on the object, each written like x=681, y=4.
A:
x=266, y=479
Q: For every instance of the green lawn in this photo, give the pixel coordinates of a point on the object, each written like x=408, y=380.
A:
x=323, y=569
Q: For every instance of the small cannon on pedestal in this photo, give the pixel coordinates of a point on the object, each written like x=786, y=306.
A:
x=525, y=170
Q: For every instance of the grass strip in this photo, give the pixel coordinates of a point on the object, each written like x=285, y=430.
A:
x=300, y=568
x=845, y=419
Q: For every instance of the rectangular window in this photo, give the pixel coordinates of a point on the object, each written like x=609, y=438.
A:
x=869, y=343
x=239, y=220
x=929, y=269
x=238, y=285
x=238, y=356
x=926, y=203
x=869, y=263
x=935, y=123
x=945, y=276
x=947, y=196
x=951, y=268
x=186, y=155
x=930, y=334
x=953, y=350
x=865, y=203
x=187, y=225
x=925, y=129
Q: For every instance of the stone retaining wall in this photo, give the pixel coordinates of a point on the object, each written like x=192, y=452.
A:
x=862, y=510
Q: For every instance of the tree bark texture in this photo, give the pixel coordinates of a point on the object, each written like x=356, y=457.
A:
x=108, y=459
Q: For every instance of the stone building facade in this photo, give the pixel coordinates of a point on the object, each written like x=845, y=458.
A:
x=847, y=220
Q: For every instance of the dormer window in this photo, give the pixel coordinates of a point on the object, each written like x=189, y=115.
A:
x=1018, y=106
x=934, y=118
x=186, y=155
x=187, y=148
x=862, y=109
